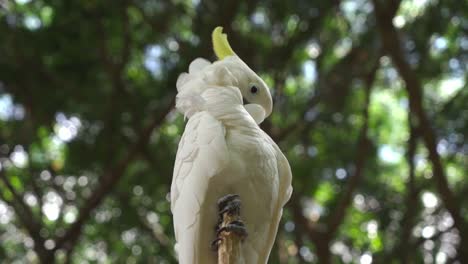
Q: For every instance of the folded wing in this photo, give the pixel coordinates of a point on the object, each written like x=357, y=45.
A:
x=202, y=154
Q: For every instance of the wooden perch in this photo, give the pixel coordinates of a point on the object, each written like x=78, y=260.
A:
x=232, y=231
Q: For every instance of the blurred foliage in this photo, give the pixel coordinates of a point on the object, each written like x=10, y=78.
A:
x=88, y=133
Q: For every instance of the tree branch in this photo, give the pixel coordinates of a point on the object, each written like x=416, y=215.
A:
x=26, y=217
x=127, y=37
x=322, y=235
x=392, y=45
x=109, y=179
x=411, y=199
x=230, y=244
x=316, y=232
x=362, y=150
x=334, y=82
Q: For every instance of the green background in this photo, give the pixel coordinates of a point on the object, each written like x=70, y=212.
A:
x=370, y=109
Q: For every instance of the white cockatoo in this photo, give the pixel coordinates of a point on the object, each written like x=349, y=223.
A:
x=223, y=151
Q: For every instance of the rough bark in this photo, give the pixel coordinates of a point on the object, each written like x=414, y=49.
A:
x=230, y=246
x=229, y=242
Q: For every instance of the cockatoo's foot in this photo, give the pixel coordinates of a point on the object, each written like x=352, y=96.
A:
x=229, y=206
x=215, y=244
x=237, y=227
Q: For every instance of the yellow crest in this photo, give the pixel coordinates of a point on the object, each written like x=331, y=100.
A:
x=221, y=45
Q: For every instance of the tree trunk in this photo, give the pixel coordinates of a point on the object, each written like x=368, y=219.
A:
x=323, y=252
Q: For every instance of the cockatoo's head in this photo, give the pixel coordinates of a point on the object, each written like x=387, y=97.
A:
x=255, y=92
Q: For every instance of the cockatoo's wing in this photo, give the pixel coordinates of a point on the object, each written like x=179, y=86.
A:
x=284, y=194
x=201, y=155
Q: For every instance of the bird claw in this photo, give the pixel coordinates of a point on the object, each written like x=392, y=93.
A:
x=229, y=200
x=215, y=244
x=230, y=204
x=237, y=227
x=231, y=208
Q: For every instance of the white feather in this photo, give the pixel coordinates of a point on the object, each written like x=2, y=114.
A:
x=181, y=80
x=198, y=65
x=202, y=154
x=256, y=111
x=190, y=86
x=223, y=151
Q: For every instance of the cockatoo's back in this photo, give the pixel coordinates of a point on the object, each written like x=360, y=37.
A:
x=223, y=151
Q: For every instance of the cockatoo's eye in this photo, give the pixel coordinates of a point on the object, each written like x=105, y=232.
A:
x=253, y=89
